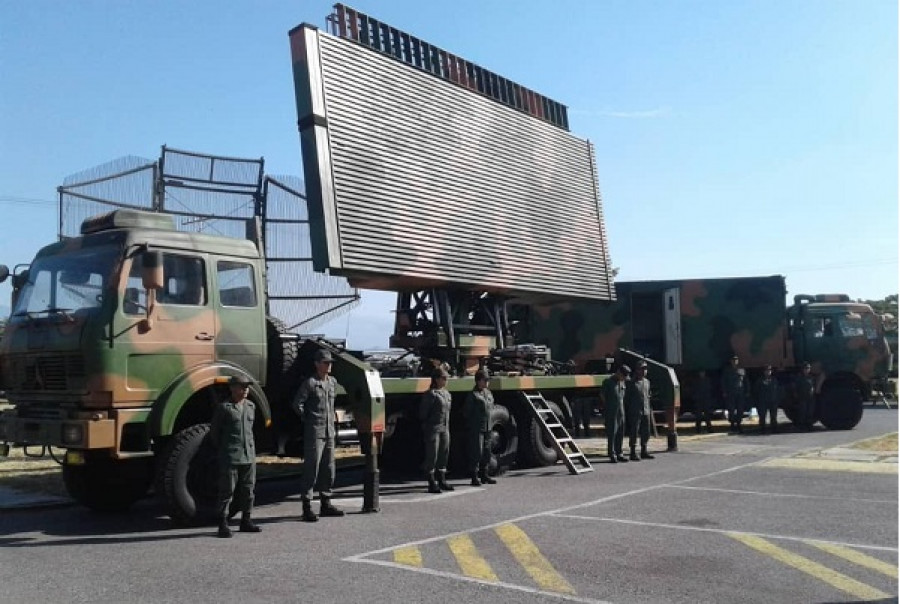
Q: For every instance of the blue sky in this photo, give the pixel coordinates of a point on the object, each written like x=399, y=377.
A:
x=732, y=137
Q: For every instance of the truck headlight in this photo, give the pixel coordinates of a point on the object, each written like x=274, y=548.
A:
x=72, y=434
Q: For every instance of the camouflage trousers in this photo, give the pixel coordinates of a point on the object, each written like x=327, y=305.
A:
x=236, y=485
x=615, y=434
x=582, y=411
x=437, y=450
x=735, y=406
x=638, y=425
x=479, y=451
x=318, y=467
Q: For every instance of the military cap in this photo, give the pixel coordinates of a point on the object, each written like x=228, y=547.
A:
x=735, y=357
x=642, y=364
x=237, y=380
x=481, y=374
x=624, y=369
x=440, y=372
x=323, y=356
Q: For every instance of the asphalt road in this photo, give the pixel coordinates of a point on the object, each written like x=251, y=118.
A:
x=749, y=518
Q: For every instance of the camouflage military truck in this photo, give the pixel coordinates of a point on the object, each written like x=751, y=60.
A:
x=698, y=324
x=441, y=183
x=121, y=342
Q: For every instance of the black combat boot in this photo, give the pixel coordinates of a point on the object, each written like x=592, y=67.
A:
x=308, y=514
x=475, y=481
x=633, y=456
x=486, y=479
x=698, y=426
x=248, y=526
x=442, y=481
x=326, y=509
x=224, y=531
x=646, y=454
x=432, y=484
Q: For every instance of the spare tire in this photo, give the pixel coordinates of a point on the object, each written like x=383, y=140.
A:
x=282, y=376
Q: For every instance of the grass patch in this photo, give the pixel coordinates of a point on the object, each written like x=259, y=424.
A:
x=886, y=444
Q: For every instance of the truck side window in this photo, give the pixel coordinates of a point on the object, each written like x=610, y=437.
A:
x=237, y=287
x=185, y=284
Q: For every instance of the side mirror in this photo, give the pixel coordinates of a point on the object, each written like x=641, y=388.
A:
x=152, y=270
x=4, y=272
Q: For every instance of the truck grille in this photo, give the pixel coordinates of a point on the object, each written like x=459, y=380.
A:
x=51, y=372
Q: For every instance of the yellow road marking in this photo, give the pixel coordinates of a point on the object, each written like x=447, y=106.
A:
x=470, y=561
x=410, y=556
x=528, y=555
x=823, y=573
x=857, y=557
x=801, y=463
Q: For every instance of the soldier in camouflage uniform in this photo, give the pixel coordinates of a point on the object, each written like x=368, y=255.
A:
x=734, y=391
x=477, y=411
x=315, y=404
x=638, y=413
x=613, y=393
x=582, y=411
x=767, y=394
x=434, y=412
x=231, y=432
x=703, y=401
x=804, y=391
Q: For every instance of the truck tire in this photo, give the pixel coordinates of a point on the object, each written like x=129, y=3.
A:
x=504, y=440
x=104, y=484
x=840, y=407
x=282, y=376
x=539, y=451
x=188, y=477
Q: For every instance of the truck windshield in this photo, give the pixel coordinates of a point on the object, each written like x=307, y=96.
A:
x=67, y=282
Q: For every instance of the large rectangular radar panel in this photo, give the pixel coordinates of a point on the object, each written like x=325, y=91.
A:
x=425, y=170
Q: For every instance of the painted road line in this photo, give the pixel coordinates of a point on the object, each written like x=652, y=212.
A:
x=823, y=573
x=470, y=561
x=892, y=502
x=408, y=556
x=800, y=463
x=531, y=559
x=681, y=527
x=857, y=558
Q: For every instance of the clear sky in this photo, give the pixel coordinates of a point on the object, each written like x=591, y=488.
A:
x=733, y=137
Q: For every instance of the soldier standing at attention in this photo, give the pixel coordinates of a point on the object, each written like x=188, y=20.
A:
x=477, y=411
x=638, y=412
x=805, y=395
x=231, y=432
x=583, y=409
x=613, y=393
x=315, y=404
x=767, y=394
x=703, y=399
x=434, y=412
x=734, y=391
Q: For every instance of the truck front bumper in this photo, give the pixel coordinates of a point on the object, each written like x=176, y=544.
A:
x=91, y=433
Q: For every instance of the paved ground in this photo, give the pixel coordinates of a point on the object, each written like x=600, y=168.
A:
x=727, y=518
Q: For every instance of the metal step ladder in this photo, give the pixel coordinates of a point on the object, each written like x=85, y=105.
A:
x=565, y=446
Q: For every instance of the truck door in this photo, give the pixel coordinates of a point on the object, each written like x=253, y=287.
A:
x=182, y=328
x=240, y=321
x=672, y=321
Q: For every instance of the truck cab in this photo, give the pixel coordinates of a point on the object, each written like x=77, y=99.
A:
x=121, y=337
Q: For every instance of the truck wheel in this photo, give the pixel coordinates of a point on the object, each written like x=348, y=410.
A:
x=104, y=484
x=504, y=439
x=188, y=476
x=539, y=449
x=840, y=407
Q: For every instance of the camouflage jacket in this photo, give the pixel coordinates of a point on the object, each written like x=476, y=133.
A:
x=805, y=387
x=434, y=411
x=637, y=398
x=733, y=383
x=613, y=392
x=315, y=404
x=767, y=392
x=477, y=411
x=231, y=431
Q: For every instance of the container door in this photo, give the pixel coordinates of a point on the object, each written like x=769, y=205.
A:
x=672, y=320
